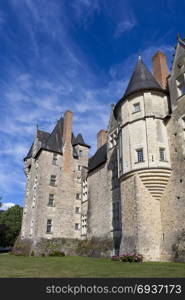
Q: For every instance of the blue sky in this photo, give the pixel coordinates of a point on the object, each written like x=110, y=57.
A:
x=79, y=55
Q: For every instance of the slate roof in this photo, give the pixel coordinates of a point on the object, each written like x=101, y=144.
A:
x=54, y=141
x=98, y=158
x=79, y=141
x=29, y=154
x=141, y=80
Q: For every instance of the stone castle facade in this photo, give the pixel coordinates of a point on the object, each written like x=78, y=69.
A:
x=132, y=190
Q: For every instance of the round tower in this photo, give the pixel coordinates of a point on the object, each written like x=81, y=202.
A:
x=143, y=162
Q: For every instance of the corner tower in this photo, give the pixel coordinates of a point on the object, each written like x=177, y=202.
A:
x=143, y=161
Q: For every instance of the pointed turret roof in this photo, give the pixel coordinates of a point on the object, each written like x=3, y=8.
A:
x=79, y=141
x=141, y=80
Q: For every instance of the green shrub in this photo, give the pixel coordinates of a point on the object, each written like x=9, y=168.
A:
x=32, y=253
x=56, y=253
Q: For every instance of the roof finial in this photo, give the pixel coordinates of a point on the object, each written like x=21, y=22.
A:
x=139, y=57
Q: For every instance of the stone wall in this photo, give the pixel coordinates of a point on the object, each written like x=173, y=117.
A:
x=173, y=201
x=99, y=206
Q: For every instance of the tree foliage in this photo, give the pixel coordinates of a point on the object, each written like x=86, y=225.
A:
x=10, y=225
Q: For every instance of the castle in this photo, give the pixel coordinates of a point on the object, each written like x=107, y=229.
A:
x=132, y=190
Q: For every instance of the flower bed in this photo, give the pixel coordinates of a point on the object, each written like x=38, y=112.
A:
x=128, y=258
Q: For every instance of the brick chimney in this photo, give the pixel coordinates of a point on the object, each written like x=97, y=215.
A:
x=160, y=68
x=101, y=138
x=67, y=151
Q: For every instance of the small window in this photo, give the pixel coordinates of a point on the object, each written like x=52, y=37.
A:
x=51, y=200
x=79, y=168
x=77, y=226
x=77, y=210
x=162, y=154
x=136, y=107
x=77, y=196
x=53, y=180
x=55, y=157
x=140, y=157
x=49, y=226
x=80, y=153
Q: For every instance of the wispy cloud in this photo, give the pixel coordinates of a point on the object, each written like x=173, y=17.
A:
x=124, y=26
x=48, y=69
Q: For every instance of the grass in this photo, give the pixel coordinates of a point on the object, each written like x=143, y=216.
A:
x=73, y=266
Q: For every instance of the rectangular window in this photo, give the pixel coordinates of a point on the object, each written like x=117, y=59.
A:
x=77, y=226
x=77, y=196
x=136, y=107
x=55, y=157
x=140, y=157
x=51, y=200
x=79, y=168
x=80, y=153
x=162, y=154
x=53, y=180
x=49, y=226
x=77, y=210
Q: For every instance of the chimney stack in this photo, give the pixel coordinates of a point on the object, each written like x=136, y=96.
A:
x=160, y=68
x=67, y=127
x=101, y=138
x=67, y=132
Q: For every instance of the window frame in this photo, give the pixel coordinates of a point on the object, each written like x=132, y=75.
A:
x=136, y=107
x=162, y=154
x=140, y=155
x=51, y=199
x=52, y=181
x=77, y=226
x=49, y=226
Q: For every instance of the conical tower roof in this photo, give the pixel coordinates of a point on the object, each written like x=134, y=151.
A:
x=141, y=79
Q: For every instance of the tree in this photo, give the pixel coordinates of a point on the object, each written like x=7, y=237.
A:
x=10, y=221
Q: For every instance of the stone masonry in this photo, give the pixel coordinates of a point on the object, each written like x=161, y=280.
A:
x=131, y=191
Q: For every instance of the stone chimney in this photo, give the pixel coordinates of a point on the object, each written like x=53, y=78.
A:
x=101, y=138
x=160, y=68
x=67, y=150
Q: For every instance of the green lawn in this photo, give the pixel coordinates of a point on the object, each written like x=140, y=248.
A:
x=70, y=266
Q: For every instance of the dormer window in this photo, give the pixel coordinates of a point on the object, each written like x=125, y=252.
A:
x=181, y=85
x=136, y=107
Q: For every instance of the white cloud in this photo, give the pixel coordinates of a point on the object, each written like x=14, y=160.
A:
x=124, y=26
x=7, y=205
